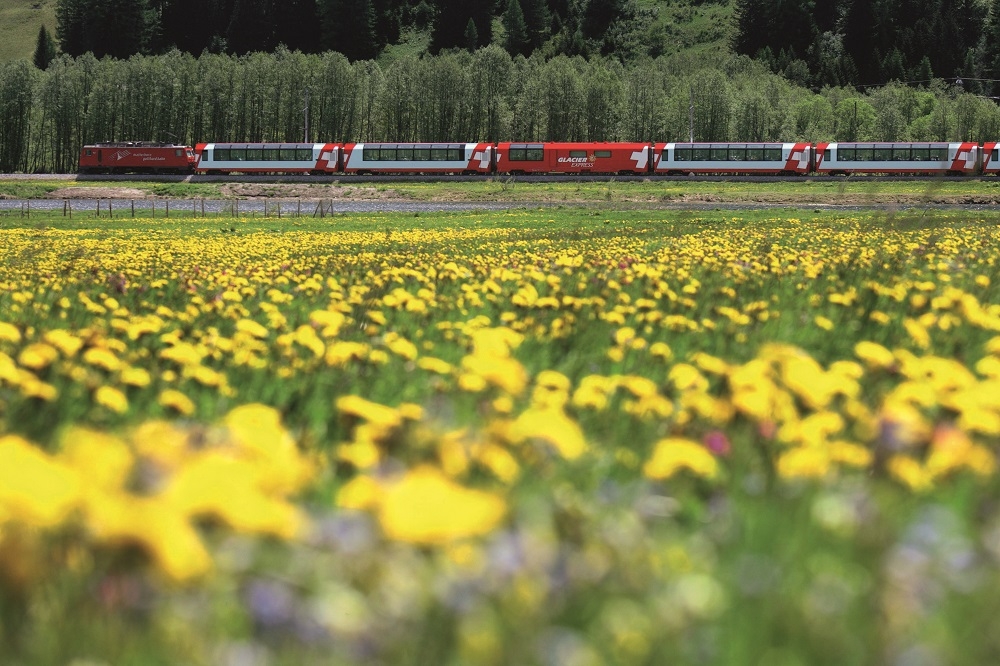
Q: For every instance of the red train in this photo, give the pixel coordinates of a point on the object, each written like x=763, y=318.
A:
x=510, y=158
x=137, y=157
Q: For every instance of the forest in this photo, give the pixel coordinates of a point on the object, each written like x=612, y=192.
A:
x=813, y=42
x=195, y=80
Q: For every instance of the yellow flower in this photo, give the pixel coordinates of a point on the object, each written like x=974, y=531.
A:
x=137, y=377
x=435, y=365
x=112, y=398
x=503, y=372
x=803, y=462
x=674, y=454
x=183, y=353
x=253, y=328
x=217, y=485
x=874, y=355
x=37, y=356
x=824, y=323
x=917, y=332
x=155, y=526
x=426, y=507
x=383, y=419
x=910, y=472
x=35, y=488
x=103, y=460
x=552, y=426
x=176, y=400
x=64, y=341
x=360, y=493
x=9, y=333
x=328, y=321
x=102, y=358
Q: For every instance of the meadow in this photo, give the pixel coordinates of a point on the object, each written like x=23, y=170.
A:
x=571, y=436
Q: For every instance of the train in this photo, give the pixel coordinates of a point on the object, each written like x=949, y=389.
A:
x=526, y=158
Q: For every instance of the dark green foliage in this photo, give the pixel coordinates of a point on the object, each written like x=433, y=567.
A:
x=517, y=31
x=349, y=27
x=599, y=16
x=453, y=17
x=537, y=19
x=867, y=42
x=116, y=28
x=45, y=49
x=250, y=27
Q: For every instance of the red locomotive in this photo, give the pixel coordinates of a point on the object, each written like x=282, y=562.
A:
x=137, y=157
x=577, y=158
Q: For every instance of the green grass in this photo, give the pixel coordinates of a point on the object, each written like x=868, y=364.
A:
x=819, y=191
x=597, y=559
x=19, y=24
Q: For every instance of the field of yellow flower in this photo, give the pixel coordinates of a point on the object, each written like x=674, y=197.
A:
x=561, y=437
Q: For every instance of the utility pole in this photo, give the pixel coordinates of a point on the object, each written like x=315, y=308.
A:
x=691, y=113
x=306, y=110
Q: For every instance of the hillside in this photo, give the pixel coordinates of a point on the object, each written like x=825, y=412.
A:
x=661, y=27
x=19, y=23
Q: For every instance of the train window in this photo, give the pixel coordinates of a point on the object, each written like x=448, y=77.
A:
x=517, y=154
x=846, y=154
x=439, y=154
x=938, y=153
x=253, y=154
x=387, y=154
x=422, y=154
x=701, y=154
x=221, y=154
x=304, y=154
x=826, y=154
x=864, y=154
x=772, y=154
x=996, y=154
x=720, y=154
x=286, y=154
x=237, y=154
x=680, y=155
x=602, y=153
x=755, y=154
x=900, y=154
x=738, y=154
x=455, y=154
x=178, y=152
x=404, y=154
x=921, y=154
x=578, y=153
x=90, y=153
x=534, y=154
x=370, y=154
x=882, y=154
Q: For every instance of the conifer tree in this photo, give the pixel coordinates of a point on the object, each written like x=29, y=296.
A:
x=45, y=49
x=537, y=20
x=517, y=32
x=471, y=36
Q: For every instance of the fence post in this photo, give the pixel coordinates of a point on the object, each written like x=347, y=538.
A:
x=133, y=208
x=168, y=208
